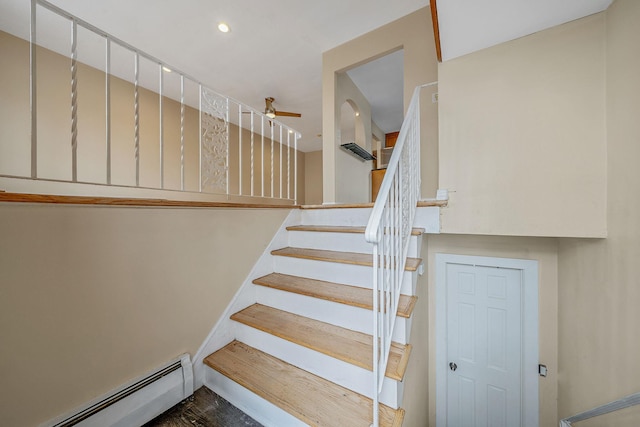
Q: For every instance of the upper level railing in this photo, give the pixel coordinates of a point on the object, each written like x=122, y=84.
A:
x=625, y=402
x=389, y=230
x=103, y=112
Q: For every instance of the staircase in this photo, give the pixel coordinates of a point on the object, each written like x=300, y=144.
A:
x=301, y=350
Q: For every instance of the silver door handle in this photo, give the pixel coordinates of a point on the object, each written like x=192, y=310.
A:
x=453, y=366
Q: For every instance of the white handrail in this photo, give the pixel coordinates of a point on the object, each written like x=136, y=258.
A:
x=212, y=173
x=625, y=402
x=389, y=230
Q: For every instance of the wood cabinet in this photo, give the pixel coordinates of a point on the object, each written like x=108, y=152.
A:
x=390, y=139
x=377, y=175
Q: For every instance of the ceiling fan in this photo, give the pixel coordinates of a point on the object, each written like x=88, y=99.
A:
x=271, y=112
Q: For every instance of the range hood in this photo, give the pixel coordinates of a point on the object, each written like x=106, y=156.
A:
x=357, y=151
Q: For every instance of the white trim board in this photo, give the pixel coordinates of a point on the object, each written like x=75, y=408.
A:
x=530, y=351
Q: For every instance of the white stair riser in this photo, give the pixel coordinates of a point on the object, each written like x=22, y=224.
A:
x=345, y=316
x=342, y=373
x=345, y=217
x=251, y=404
x=427, y=217
x=344, y=242
x=346, y=274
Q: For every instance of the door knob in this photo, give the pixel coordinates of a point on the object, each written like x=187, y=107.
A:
x=453, y=366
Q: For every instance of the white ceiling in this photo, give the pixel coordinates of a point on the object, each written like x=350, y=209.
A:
x=275, y=47
x=382, y=82
x=470, y=25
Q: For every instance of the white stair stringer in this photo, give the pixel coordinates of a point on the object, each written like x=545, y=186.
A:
x=224, y=330
x=343, y=315
x=337, y=371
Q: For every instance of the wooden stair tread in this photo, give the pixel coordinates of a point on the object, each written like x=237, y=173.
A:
x=343, y=344
x=340, y=257
x=336, y=292
x=312, y=399
x=342, y=229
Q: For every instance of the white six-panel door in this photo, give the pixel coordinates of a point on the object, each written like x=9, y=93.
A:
x=486, y=338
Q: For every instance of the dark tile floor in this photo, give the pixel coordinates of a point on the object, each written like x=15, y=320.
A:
x=203, y=409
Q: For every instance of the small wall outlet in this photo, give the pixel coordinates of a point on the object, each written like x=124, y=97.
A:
x=434, y=97
x=542, y=370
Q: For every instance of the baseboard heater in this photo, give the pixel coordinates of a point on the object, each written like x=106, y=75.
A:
x=136, y=402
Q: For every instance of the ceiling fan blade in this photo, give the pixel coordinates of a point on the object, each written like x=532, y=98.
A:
x=287, y=114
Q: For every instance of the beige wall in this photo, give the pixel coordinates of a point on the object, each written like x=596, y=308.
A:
x=417, y=391
x=313, y=178
x=93, y=297
x=545, y=251
x=522, y=135
x=414, y=34
x=599, y=291
x=14, y=107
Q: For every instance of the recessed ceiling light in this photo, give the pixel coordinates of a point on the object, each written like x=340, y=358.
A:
x=357, y=113
x=290, y=131
x=167, y=69
x=223, y=27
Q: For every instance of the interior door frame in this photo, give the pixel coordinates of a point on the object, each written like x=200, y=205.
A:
x=530, y=355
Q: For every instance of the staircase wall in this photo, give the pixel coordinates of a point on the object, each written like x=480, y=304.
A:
x=91, y=297
x=416, y=387
x=599, y=289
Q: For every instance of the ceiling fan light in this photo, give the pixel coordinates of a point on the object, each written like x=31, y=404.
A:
x=269, y=111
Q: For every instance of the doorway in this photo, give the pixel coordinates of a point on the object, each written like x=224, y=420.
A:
x=486, y=342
